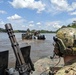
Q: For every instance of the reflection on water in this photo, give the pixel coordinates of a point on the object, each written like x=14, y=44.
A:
x=39, y=48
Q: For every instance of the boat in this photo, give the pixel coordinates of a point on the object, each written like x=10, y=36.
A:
x=35, y=35
x=24, y=65
x=42, y=66
x=4, y=61
x=48, y=65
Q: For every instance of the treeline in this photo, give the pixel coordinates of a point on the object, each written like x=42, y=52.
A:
x=24, y=31
x=17, y=31
x=43, y=31
x=2, y=30
x=46, y=31
x=73, y=25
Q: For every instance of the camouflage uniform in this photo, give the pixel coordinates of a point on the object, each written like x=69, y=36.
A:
x=67, y=70
x=42, y=66
x=66, y=40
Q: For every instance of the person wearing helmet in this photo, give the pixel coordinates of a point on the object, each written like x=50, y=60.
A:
x=65, y=46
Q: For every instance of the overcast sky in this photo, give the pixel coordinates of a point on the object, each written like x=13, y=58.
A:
x=37, y=14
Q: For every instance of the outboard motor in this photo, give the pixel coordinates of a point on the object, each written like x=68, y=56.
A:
x=41, y=37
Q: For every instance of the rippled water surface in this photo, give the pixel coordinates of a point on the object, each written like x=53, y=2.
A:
x=39, y=48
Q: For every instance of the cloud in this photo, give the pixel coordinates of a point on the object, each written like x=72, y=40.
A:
x=31, y=25
x=14, y=17
x=31, y=22
x=23, y=26
x=2, y=12
x=73, y=13
x=17, y=22
x=32, y=4
x=59, y=6
x=39, y=26
x=71, y=20
x=54, y=24
x=1, y=24
x=72, y=7
x=38, y=23
x=51, y=6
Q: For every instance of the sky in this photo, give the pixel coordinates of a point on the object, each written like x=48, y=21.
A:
x=37, y=14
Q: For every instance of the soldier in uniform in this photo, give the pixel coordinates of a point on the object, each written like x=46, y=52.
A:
x=65, y=46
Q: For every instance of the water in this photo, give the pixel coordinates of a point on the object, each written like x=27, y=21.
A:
x=5, y=42
x=39, y=48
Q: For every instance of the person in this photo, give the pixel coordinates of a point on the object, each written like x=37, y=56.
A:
x=65, y=46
